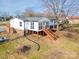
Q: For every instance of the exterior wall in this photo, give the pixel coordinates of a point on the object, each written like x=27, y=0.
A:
x=15, y=23
x=20, y=32
x=7, y=29
x=28, y=26
x=52, y=22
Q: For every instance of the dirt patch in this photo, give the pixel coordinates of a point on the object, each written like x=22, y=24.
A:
x=23, y=49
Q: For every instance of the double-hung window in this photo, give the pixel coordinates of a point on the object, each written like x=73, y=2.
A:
x=40, y=26
x=32, y=25
x=20, y=24
x=47, y=24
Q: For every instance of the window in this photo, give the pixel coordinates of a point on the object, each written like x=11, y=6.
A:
x=32, y=25
x=20, y=24
x=26, y=25
x=55, y=26
x=54, y=21
x=44, y=23
x=47, y=24
x=40, y=26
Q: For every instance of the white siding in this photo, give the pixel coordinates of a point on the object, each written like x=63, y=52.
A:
x=15, y=23
x=28, y=26
x=53, y=23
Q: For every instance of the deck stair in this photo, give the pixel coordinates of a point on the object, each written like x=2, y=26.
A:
x=50, y=33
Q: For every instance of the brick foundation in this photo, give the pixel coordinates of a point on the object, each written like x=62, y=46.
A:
x=20, y=32
x=12, y=30
x=7, y=28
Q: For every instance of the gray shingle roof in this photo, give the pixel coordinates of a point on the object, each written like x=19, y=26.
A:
x=34, y=19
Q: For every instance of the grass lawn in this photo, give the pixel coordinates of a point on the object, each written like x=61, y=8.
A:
x=4, y=22
x=9, y=49
x=63, y=48
x=75, y=27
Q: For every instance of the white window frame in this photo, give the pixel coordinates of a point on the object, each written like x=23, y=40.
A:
x=32, y=25
x=20, y=24
x=40, y=25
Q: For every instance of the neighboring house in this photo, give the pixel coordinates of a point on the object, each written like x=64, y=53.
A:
x=74, y=20
x=36, y=24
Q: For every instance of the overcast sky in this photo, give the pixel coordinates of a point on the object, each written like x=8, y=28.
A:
x=15, y=6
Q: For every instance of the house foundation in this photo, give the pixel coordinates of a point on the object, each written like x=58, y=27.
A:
x=12, y=30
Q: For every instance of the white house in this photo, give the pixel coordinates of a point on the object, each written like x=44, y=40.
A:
x=32, y=23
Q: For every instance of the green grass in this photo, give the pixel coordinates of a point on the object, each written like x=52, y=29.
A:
x=13, y=45
x=48, y=50
x=2, y=23
x=75, y=27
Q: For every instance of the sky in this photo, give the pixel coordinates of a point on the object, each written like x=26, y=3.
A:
x=15, y=6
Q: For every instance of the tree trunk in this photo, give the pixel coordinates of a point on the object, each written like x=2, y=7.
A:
x=57, y=26
x=57, y=20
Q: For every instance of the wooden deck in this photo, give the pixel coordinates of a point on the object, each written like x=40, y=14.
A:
x=50, y=33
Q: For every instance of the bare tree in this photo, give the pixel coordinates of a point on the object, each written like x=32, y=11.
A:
x=29, y=12
x=4, y=16
x=61, y=9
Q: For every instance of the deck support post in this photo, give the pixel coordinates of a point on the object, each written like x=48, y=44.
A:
x=38, y=34
x=28, y=31
x=43, y=33
x=31, y=33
